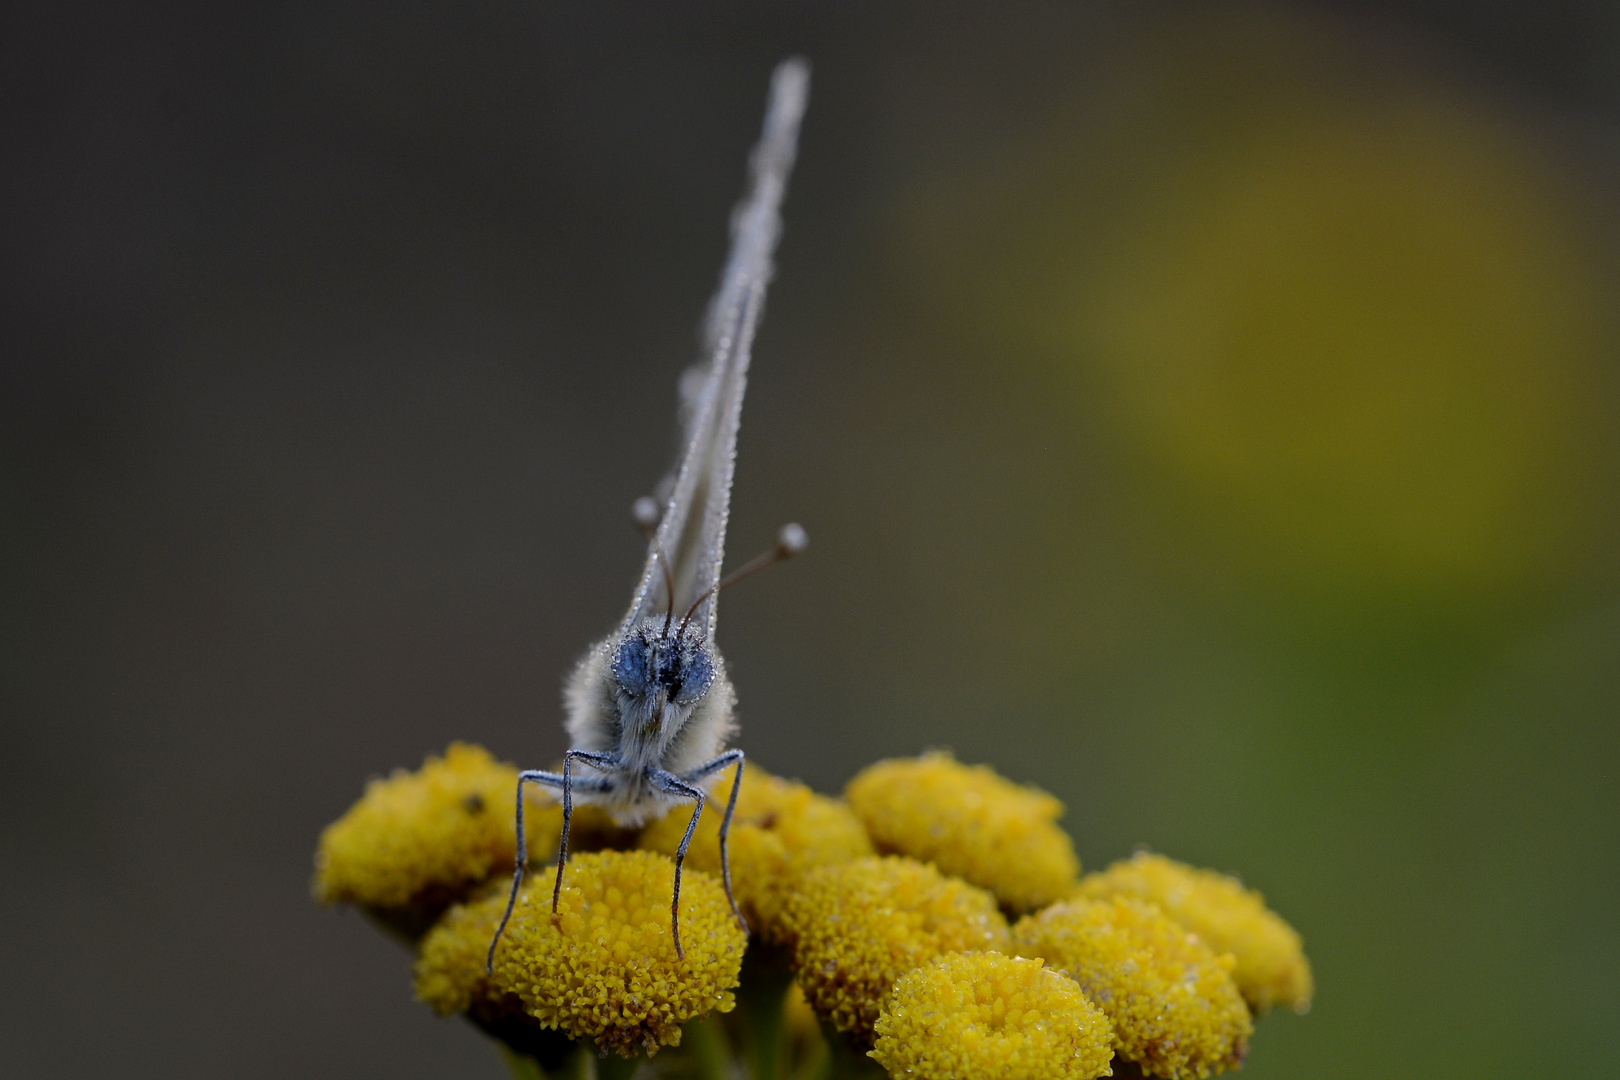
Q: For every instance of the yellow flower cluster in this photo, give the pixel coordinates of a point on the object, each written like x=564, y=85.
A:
x=1174, y=1006
x=971, y=823
x=984, y=1016
x=780, y=830
x=604, y=967
x=854, y=928
x=416, y=842
x=908, y=953
x=1271, y=965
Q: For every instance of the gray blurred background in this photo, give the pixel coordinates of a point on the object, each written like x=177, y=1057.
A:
x=1207, y=413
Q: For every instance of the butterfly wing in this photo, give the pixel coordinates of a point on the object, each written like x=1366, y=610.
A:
x=692, y=532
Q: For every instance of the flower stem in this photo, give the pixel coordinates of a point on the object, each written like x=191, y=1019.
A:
x=846, y=1061
x=706, y=1042
x=762, y=1000
x=614, y=1067
x=581, y=1065
x=521, y=1066
x=816, y=1064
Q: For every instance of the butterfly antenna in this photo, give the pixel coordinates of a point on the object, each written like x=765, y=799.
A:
x=669, y=587
x=791, y=540
x=644, y=512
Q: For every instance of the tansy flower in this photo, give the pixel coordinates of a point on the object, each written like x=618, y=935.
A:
x=780, y=830
x=854, y=928
x=1175, y=1009
x=971, y=823
x=1271, y=965
x=604, y=969
x=985, y=1016
x=417, y=842
x=450, y=977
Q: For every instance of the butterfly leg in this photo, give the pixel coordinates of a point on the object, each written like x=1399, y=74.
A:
x=709, y=768
x=521, y=857
x=671, y=784
x=601, y=761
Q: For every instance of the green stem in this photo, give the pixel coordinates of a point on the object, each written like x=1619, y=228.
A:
x=706, y=1042
x=614, y=1067
x=581, y=1064
x=816, y=1064
x=846, y=1061
x=762, y=1000
x=521, y=1066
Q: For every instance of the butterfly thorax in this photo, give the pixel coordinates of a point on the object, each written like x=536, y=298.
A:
x=656, y=698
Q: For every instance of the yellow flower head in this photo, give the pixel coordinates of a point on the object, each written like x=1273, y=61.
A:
x=605, y=968
x=969, y=822
x=420, y=841
x=1271, y=965
x=1174, y=1006
x=854, y=928
x=781, y=829
x=985, y=1016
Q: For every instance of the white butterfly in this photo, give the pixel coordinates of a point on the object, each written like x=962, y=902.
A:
x=650, y=707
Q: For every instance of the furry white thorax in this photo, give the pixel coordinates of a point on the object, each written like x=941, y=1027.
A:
x=673, y=737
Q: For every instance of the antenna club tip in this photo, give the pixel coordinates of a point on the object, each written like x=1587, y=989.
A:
x=792, y=539
x=796, y=68
x=644, y=512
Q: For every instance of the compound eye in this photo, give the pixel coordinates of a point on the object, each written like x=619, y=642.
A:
x=697, y=675
x=630, y=665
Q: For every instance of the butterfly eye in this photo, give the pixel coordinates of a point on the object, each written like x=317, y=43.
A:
x=630, y=665
x=696, y=675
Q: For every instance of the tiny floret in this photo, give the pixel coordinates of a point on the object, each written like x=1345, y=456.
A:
x=420, y=841
x=1271, y=964
x=970, y=822
x=781, y=829
x=1175, y=1009
x=985, y=1016
x=604, y=968
x=449, y=968
x=852, y=929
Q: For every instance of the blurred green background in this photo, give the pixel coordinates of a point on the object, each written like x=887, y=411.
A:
x=1207, y=413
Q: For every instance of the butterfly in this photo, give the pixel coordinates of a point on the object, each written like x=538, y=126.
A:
x=649, y=708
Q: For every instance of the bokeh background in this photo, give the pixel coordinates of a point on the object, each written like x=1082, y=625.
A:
x=1206, y=412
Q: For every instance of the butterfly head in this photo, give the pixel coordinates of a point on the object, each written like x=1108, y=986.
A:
x=660, y=672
